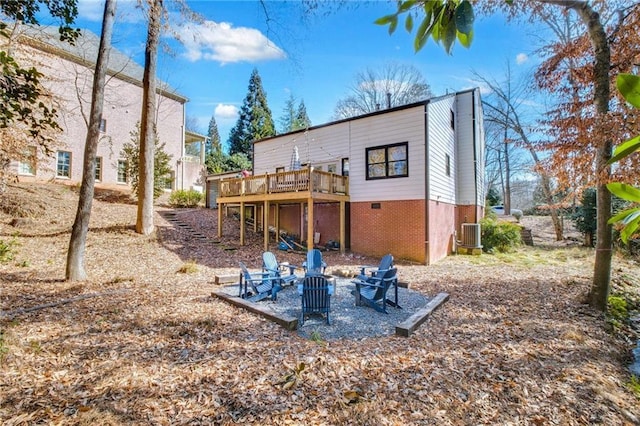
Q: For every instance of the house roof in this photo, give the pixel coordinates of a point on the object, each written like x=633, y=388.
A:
x=191, y=137
x=85, y=52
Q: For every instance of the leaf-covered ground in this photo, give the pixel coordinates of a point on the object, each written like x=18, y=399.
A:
x=143, y=343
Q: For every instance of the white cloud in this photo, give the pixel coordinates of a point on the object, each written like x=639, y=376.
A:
x=221, y=42
x=521, y=58
x=226, y=112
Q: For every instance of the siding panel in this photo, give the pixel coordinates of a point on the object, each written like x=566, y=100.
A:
x=442, y=142
x=399, y=126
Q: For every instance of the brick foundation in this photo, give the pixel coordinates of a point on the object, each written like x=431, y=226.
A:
x=442, y=225
x=396, y=227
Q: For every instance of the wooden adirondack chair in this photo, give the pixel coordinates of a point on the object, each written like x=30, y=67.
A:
x=371, y=271
x=316, y=297
x=262, y=285
x=278, y=270
x=373, y=290
x=314, y=264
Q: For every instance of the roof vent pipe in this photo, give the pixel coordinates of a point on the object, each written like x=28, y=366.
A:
x=388, y=100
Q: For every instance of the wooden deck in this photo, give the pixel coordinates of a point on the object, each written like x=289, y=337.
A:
x=297, y=186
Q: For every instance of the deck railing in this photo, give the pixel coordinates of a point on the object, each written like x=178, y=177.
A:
x=292, y=181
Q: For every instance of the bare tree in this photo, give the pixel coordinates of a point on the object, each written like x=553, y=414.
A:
x=393, y=85
x=75, y=257
x=144, y=222
x=504, y=108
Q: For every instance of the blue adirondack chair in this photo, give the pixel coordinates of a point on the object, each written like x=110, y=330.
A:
x=316, y=297
x=262, y=285
x=284, y=271
x=314, y=264
x=373, y=290
x=371, y=271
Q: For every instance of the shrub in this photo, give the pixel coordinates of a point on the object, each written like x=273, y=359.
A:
x=190, y=267
x=517, y=215
x=7, y=250
x=617, y=312
x=185, y=198
x=499, y=235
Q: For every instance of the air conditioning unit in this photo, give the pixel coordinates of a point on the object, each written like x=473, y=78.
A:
x=471, y=235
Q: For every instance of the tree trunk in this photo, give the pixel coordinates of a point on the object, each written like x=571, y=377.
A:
x=602, y=267
x=548, y=193
x=507, y=173
x=75, y=270
x=144, y=223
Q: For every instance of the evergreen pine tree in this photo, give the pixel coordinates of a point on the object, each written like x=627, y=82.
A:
x=255, y=121
x=288, y=116
x=213, y=143
x=302, y=120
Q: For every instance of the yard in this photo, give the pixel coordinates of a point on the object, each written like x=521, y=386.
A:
x=143, y=342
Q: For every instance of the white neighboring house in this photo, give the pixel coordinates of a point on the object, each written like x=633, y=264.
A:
x=68, y=75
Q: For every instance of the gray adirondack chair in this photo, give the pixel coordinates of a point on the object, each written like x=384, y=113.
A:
x=284, y=271
x=262, y=285
x=314, y=264
x=316, y=297
x=372, y=291
x=371, y=271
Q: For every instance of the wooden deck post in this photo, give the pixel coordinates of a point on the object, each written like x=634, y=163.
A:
x=265, y=224
x=242, y=219
x=301, y=222
x=310, y=224
x=343, y=212
x=220, y=217
x=255, y=218
x=277, y=222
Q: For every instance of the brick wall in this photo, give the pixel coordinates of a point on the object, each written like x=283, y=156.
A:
x=396, y=227
x=468, y=214
x=442, y=224
x=326, y=217
x=289, y=218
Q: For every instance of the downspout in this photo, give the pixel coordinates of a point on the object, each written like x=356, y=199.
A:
x=475, y=153
x=181, y=163
x=426, y=184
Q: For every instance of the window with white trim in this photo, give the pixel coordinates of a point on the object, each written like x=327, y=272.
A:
x=63, y=165
x=122, y=171
x=27, y=166
x=98, y=173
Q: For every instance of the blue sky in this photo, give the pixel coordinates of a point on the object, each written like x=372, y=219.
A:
x=314, y=58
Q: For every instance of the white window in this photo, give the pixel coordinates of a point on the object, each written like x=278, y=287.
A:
x=63, y=166
x=27, y=166
x=122, y=171
x=98, y=174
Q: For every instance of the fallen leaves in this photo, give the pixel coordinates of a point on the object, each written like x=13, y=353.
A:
x=514, y=345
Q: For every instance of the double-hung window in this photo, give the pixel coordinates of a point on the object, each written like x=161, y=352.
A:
x=122, y=171
x=63, y=165
x=388, y=161
x=98, y=174
x=27, y=166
